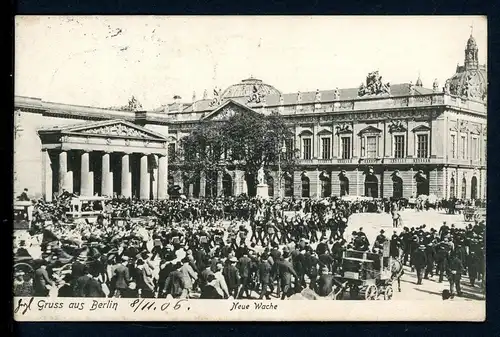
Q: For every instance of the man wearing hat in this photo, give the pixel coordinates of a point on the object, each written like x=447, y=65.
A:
x=395, y=245
x=264, y=269
x=22, y=288
x=430, y=253
x=78, y=268
x=455, y=270
x=121, y=277
x=41, y=282
x=419, y=262
x=22, y=251
x=232, y=277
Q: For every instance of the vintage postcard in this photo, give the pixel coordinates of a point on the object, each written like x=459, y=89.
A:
x=250, y=168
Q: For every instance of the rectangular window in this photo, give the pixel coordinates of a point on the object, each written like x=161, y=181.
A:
x=422, y=146
x=346, y=148
x=289, y=148
x=371, y=147
x=325, y=148
x=453, y=146
x=307, y=148
x=399, y=146
x=475, y=149
x=463, y=147
x=171, y=151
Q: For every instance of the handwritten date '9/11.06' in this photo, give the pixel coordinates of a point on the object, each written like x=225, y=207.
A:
x=144, y=305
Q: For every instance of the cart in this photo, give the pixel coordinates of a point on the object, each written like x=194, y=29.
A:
x=367, y=275
x=469, y=213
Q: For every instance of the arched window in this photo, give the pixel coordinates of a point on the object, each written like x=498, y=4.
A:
x=288, y=185
x=196, y=187
x=305, y=187
x=227, y=185
x=326, y=187
x=452, y=188
x=464, y=189
x=397, y=187
x=371, y=186
x=344, y=185
x=473, y=188
x=210, y=184
x=185, y=183
x=422, y=183
x=270, y=186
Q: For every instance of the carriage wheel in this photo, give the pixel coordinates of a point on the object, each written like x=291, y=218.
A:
x=388, y=291
x=371, y=292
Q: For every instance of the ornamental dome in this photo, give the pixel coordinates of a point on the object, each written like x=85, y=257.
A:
x=249, y=87
x=470, y=80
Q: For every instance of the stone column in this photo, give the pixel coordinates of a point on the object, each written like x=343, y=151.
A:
x=202, y=184
x=86, y=186
x=154, y=180
x=106, y=176
x=47, y=176
x=126, y=188
x=297, y=184
x=162, y=177
x=219, y=183
x=63, y=171
x=145, y=178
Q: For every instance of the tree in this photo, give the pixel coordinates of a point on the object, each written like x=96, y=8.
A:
x=247, y=140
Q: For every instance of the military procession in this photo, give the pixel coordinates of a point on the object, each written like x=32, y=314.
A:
x=238, y=248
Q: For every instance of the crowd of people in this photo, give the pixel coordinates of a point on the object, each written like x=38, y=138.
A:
x=224, y=248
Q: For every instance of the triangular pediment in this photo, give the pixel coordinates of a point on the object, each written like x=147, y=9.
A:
x=111, y=128
x=325, y=132
x=421, y=128
x=226, y=111
x=370, y=129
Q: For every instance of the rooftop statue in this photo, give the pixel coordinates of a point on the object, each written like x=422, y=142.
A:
x=374, y=85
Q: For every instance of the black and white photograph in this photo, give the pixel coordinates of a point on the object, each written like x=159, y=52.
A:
x=164, y=163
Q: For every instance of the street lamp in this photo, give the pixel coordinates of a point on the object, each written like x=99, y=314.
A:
x=282, y=149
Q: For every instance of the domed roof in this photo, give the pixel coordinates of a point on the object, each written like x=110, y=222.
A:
x=469, y=83
x=470, y=80
x=248, y=87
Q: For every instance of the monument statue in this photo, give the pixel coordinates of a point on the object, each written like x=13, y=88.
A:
x=261, y=176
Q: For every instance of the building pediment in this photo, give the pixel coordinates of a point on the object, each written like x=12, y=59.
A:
x=226, y=111
x=325, y=132
x=369, y=129
x=421, y=128
x=110, y=128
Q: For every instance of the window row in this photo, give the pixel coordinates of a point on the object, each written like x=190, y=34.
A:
x=369, y=147
x=459, y=147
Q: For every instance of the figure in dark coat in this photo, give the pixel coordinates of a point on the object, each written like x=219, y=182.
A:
x=419, y=262
x=455, y=270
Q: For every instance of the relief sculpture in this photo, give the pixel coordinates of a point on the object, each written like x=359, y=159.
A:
x=117, y=130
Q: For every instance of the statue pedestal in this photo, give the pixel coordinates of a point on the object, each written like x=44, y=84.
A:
x=262, y=191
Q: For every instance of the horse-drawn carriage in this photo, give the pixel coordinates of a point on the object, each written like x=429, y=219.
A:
x=367, y=275
x=474, y=213
x=23, y=213
x=87, y=208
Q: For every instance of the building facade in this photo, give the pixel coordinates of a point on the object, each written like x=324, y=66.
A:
x=377, y=140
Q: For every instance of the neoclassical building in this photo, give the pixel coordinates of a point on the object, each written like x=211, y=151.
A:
x=380, y=140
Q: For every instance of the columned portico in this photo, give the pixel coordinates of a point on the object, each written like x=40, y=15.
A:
x=81, y=150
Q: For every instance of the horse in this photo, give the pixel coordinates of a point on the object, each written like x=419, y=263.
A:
x=397, y=271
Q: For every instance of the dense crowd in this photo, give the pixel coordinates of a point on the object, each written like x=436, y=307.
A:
x=224, y=248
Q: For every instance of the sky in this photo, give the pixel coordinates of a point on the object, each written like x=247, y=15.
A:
x=104, y=60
